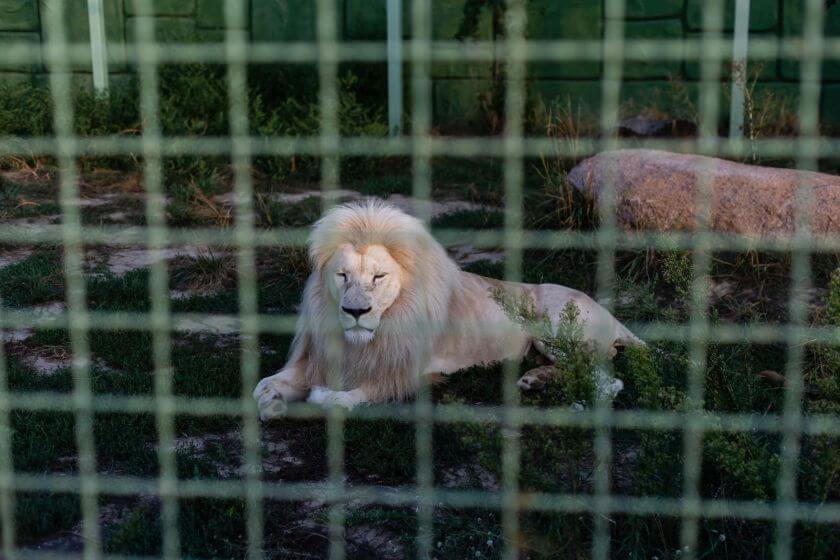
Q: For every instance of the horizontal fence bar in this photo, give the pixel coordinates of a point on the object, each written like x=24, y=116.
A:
x=208, y=323
x=409, y=495
x=372, y=146
x=565, y=416
x=530, y=239
x=761, y=48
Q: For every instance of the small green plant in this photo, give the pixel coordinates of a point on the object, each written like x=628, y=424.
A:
x=25, y=110
x=677, y=272
x=567, y=127
x=575, y=360
x=642, y=381
x=832, y=308
x=293, y=117
x=205, y=272
x=766, y=113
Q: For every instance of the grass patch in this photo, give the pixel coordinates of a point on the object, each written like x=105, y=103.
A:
x=380, y=450
x=39, y=514
x=37, y=279
x=279, y=214
x=470, y=219
x=207, y=528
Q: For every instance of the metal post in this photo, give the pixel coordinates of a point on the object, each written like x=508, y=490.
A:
x=395, y=88
x=739, y=68
x=98, y=46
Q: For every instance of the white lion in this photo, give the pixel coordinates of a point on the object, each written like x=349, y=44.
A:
x=385, y=305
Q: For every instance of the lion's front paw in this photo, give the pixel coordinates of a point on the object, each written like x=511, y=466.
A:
x=327, y=398
x=270, y=398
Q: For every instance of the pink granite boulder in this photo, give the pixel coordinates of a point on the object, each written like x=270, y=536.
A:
x=657, y=191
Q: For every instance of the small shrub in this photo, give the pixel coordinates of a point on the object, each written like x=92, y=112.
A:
x=642, y=382
x=575, y=360
x=193, y=100
x=740, y=463
x=832, y=309
x=292, y=117
x=25, y=110
x=568, y=128
x=677, y=272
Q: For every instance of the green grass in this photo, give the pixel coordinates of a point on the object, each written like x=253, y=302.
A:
x=37, y=279
x=277, y=214
x=385, y=185
x=42, y=514
x=207, y=528
x=739, y=466
x=193, y=103
x=470, y=219
x=647, y=463
x=389, y=458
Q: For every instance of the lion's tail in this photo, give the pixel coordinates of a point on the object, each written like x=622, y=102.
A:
x=625, y=337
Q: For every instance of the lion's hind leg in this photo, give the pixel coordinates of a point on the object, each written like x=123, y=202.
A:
x=606, y=386
x=536, y=378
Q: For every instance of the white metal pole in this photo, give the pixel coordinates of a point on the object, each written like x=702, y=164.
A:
x=395, y=79
x=739, y=68
x=98, y=46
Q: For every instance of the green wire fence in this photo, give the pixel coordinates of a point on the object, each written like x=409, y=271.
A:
x=421, y=145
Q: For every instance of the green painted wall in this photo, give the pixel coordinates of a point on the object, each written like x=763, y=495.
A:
x=461, y=90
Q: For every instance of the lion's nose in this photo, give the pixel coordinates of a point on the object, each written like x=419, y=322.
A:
x=356, y=312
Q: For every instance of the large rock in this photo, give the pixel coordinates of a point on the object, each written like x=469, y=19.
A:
x=657, y=191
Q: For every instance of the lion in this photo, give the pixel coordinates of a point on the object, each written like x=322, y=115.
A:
x=386, y=306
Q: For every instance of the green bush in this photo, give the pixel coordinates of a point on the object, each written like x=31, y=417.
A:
x=295, y=118
x=832, y=309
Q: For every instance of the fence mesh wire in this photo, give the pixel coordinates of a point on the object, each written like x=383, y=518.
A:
x=421, y=145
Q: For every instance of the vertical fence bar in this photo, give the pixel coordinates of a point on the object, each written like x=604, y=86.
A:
x=58, y=67
x=158, y=277
x=710, y=65
x=329, y=138
x=739, y=68
x=515, y=74
x=395, y=65
x=613, y=50
x=809, y=97
x=421, y=191
x=7, y=467
x=236, y=44
x=98, y=46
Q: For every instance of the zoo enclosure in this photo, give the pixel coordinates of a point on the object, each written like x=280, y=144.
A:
x=516, y=51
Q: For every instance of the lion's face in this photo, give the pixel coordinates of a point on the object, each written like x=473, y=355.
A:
x=365, y=284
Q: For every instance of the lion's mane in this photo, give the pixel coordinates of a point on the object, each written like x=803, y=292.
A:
x=391, y=364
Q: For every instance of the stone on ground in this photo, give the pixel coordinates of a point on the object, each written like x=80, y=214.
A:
x=657, y=191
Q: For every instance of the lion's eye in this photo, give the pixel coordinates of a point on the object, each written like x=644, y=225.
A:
x=378, y=277
x=342, y=275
